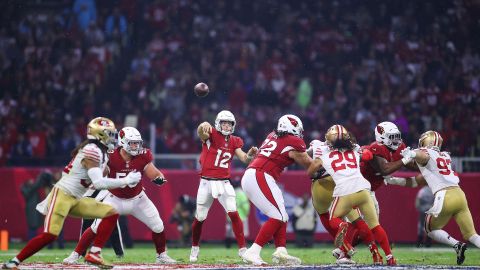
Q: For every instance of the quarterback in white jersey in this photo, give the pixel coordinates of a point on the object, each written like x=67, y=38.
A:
x=450, y=200
x=65, y=199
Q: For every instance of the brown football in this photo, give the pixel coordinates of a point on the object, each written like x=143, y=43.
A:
x=201, y=89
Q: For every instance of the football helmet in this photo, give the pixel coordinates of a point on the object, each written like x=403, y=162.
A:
x=129, y=136
x=388, y=134
x=290, y=124
x=226, y=116
x=431, y=139
x=336, y=132
x=102, y=129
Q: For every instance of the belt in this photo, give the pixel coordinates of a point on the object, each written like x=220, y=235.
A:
x=215, y=179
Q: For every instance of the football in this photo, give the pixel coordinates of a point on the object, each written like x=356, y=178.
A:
x=201, y=89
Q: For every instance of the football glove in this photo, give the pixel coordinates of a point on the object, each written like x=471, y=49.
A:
x=159, y=181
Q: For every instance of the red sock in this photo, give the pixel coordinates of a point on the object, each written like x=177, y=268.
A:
x=280, y=237
x=159, y=241
x=334, y=223
x=325, y=219
x=350, y=233
x=237, y=227
x=268, y=229
x=35, y=244
x=364, y=232
x=85, y=241
x=105, y=229
x=196, y=231
x=382, y=238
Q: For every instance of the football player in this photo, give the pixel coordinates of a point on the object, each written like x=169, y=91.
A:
x=450, y=201
x=219, y=145
x=66, y=198
x=341, y=159
x=281, y=148
x=131, y=199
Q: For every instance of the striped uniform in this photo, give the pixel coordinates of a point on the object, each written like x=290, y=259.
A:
x=440, y=177
x=66, y=198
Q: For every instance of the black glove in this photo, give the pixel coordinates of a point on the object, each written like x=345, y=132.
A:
x=159, y=181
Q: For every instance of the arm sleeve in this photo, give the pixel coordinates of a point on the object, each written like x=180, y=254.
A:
x=100, y=182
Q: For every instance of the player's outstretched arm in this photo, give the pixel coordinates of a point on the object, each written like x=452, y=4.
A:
x=314, y=167
x=100, y=182
x=384, y=167
x=246, y=157
x=154, y=174
x=301, y=158
x=204, y=130
x=413, y=182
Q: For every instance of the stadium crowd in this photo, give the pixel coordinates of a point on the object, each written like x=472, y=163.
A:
x=415, y=63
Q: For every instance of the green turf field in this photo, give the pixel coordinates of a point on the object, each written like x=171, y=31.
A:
x=217, y=254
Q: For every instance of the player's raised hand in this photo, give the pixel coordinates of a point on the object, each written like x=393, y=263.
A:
x=252, y=151
x=207, y=128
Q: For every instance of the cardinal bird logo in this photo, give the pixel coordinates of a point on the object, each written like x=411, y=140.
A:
x=380, y=129
x=293, y=121
x=121, y=134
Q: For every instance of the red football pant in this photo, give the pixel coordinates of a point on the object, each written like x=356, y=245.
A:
x=105, y=229
x=268, y=230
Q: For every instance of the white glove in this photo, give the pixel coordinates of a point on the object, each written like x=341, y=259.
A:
x=408, y=155
x=132, y=178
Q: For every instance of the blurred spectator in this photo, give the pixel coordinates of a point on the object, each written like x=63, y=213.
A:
x=353, y=62
x=304, y=222
x=423, y=202
x=33, y=193
x=182, y=214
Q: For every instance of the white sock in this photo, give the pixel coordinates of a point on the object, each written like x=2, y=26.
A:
x=475, y=239
x=95, y=249
x=255, y=248
x=443, y=237
x=281, y=249
x=16, y=260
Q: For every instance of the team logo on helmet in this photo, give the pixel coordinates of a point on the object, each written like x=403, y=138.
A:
x=380, y=129
x=121, y=134
x=293, y=121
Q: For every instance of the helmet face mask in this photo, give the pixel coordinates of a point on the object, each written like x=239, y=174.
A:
x=225, y=122
x=103, y=129
x=130, y=139
x=388, y=134
x=290, y=124
x=431, y=139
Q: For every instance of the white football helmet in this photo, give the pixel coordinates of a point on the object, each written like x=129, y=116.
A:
x=290, y=124
x=388, y=134
x=226, y=116
x=129, y=136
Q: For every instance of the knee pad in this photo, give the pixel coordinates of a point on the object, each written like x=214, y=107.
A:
x=231, y=204
x=157, y=227
x=201, y=213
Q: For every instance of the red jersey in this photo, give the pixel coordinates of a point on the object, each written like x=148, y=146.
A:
x=273, y=157
x=120, y=168
x=217, y=154
x=380, y=150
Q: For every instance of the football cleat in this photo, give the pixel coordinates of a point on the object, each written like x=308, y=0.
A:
x=377, y=258
x=241, y=251
x=194, y=254
x=337, y=253
x=164, y=258
x=73, y=258
x=281, y=256
x=96, y=259
x=460, y=250
x=391, y=260
x=11, y=265
x=250, y=257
